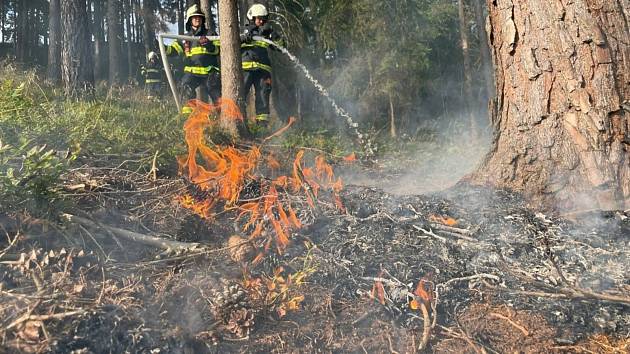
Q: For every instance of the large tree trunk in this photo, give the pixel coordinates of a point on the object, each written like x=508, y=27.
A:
x=114, y=34
x=76, y=58
x=562, y=72
x=54, y=42
x=231, y=74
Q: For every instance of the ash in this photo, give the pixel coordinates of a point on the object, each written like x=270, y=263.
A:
x=501, y=277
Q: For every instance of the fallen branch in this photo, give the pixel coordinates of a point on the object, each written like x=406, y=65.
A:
x=134, y=236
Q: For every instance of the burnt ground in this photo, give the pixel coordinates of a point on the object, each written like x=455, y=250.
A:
x=497, y=277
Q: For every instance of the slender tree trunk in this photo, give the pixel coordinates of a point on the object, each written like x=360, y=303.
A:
x=114, y=34
x=148, y=18
x=99, y=41
x=561, y=116
x=468, y=100
x=126, y=14
x=76, y=55
x=206, y=7
x=181, y=16
x=21, y=33
x=484, y=48
x=54, y=44
x=231, y=74
x=2, y=15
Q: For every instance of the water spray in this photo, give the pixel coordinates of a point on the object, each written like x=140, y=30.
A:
x=363, y=140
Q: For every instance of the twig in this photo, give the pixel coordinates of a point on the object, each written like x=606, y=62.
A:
x=134, y=236
x=456, y=230
x=429, y=233
x=516, y=325
x=426, y=332
x=471, y=277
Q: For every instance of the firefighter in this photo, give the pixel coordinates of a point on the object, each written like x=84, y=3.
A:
x=152, y=74
x=201, y=59
x=256, y=62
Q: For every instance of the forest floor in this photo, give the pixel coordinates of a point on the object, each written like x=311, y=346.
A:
x=463, y=270
x=105, y=248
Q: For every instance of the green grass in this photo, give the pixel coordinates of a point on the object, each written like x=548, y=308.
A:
x=116, y=122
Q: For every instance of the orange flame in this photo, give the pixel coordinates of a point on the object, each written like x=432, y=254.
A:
x=424, y=291
x=223, y=172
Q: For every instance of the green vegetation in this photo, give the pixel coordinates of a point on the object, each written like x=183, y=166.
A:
x=115, y=122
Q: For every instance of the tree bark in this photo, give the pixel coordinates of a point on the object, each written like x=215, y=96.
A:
x=181, y=16
x=465, y=43
x=54, y=42
x=562, y=73
x=21, y=35
x=76, y=58
x=148, y=32
x=231, y=73
x=127, y=13
x=206, y=7
x=98, y=28
x=114, y=33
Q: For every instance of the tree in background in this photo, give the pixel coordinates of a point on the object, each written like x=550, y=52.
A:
x=54, y=46
x=76, y=58
x=561, y=114
x=114, y=33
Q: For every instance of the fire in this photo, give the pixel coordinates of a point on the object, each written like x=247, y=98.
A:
x=424, y=291
x=448, y=221
x=222, y=173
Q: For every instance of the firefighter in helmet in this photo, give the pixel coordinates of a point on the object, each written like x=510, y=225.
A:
x=201, y=59
x=152, y=74
x=256, y=61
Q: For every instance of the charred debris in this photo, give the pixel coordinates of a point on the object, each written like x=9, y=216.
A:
x=244, y=253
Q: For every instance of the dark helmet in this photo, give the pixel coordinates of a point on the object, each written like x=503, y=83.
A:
x=194, y=11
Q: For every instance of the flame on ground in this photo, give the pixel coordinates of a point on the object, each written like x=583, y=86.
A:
x=222, y=173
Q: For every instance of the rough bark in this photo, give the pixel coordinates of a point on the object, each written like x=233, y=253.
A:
x=231, y=74
x=53, y=71
x=465, y=43
x=562, y=74
x=76, y=58
x=114, y=34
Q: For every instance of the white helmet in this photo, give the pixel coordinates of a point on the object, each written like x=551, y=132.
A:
x=257, y=10
x=192, y=11
x=153, y=56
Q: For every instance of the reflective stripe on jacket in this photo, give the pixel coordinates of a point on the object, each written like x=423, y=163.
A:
x=198, y=59
x=255, y=54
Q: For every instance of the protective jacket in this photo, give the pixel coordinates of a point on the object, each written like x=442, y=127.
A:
x=199, y=60
x=254, y=54
x=152, y=72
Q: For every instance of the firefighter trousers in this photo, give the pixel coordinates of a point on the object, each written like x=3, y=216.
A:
x=261, y=80
x=211, y=83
